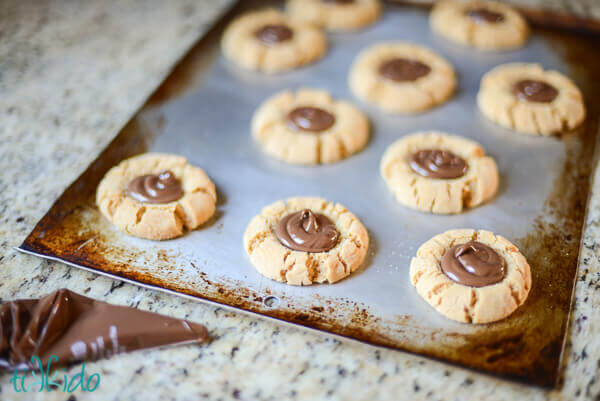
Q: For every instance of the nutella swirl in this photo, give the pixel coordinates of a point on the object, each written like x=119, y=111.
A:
x=435, y=163
x=337, y=1
x=535, y=91
x=310, y=119
x=403, y=69
x=484, y=15
x=274, y=34
x=473, y=264
x=161, y=188
x=307, y=231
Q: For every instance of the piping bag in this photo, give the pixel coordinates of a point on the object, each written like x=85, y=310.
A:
x=75, y=328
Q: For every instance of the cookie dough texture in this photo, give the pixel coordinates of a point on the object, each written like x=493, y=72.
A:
x=156, y=221
x=497, y=101
x=240, y=44
x=335, y=16
x=449, y=18
x=401, y=97
x=348, y=135
x=470, y=304
x=277, y=262
x=443, y=196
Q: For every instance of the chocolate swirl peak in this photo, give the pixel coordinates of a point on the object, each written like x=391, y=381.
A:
x=484, y=15
x=337, y=1
x=403, y=69
x=435, y=163
x=150, y=188
x=307, y=231
x=310, y=119
x=473, y=264
x=274, y=34
x=535, y=91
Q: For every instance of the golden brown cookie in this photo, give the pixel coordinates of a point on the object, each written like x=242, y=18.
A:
x=156, y=196
x=271, y=42
x=276, y=261
x=335, y=15
x=486, y=25
x=309, y=127
x=490, y=296
x=531, y=100
x=402, y=77
x=411, y=168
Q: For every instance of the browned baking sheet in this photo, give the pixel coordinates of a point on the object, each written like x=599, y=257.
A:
x=202, y=110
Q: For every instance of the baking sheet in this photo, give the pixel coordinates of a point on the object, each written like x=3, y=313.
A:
x=203, y=112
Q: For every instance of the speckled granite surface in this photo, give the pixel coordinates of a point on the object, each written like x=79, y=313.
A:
x=71, y=74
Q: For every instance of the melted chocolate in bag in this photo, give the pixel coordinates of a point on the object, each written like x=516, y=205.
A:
x=76, y=328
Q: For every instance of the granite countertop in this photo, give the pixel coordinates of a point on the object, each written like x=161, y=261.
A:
x=71, y=75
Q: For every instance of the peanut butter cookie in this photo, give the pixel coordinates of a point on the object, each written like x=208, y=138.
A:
x=486, y=25
x=439, y=173
x=335, y=15
x=271, y=42
x=402, y=77
x=530, y=100
x=309, y=127
x=471, y=276
x=155, y=196
x=302, y=241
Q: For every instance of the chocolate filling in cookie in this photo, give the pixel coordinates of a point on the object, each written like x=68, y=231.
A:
x=403, y=69
x=274, y=34
x=435, y=163
x=483, y=15
x=473, y=264
x=310, y=119
x=533, y=90
x=161, y=188
x=307, y=231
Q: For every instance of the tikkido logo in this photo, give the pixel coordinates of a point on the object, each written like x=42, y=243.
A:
x=31, y=381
